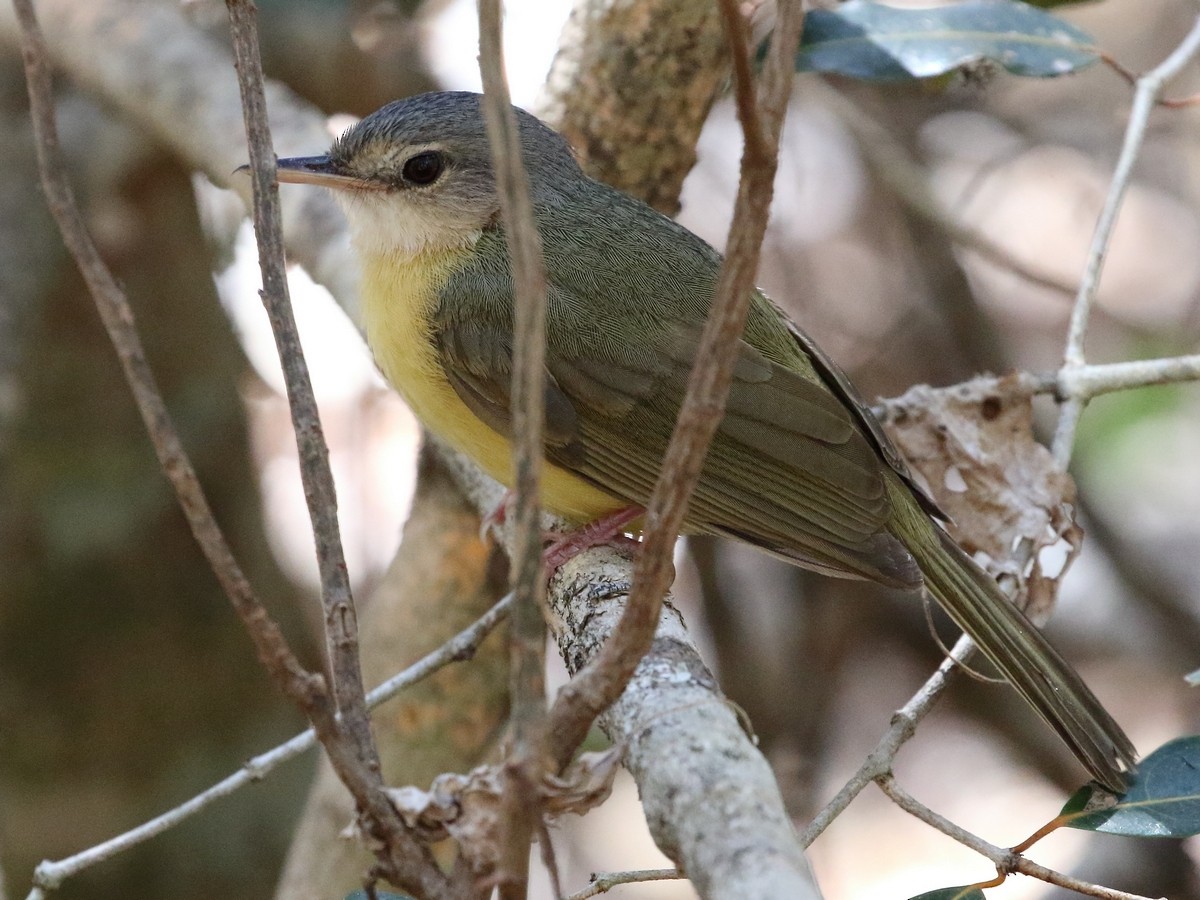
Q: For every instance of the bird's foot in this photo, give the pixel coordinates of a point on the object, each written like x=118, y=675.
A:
x=496, y=517
x=607, y=529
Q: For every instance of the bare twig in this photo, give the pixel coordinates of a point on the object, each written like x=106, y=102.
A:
x=603, y=882
x=528, y=639
x=1077, y=382
x=403, y=860
x=1131, y=78
x=904, y=725
x=1083, y=382
x=307, y=689
x=341, y=622
x=1149, y=87
x=461, y=647
x=1005, y=860
x=704, y=402
x=119, y=322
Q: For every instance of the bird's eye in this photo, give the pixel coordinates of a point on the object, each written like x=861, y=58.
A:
x=424, y=168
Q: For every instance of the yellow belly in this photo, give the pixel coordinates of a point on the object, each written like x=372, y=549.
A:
x=398, y=297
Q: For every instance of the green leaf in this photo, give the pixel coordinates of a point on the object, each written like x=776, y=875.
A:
x=871, y=41
x=1163, y=799
x=360, y=894
x=964, y=892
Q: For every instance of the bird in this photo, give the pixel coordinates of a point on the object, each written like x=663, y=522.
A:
x=799, y=467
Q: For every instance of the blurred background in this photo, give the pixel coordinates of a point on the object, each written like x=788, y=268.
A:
x=126, y=684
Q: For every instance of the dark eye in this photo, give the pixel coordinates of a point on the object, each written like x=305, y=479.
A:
x=424, y=168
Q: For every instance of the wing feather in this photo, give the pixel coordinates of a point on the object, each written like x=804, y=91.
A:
x=792, y=469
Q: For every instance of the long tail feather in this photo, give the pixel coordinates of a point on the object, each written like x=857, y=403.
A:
x=1015, y=646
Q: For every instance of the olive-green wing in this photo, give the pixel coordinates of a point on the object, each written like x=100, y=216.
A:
x=789, y=469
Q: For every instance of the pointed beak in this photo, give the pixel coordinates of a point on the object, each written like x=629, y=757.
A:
x=318, y=170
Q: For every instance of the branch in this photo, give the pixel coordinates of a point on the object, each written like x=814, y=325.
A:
x=1083, y=382
x=403, y=859
x=1149, y=88
x=528, y=641
x=442, y=578
x=1080, y=383
x=740, y=839
x=631, y=87
x=879, y=761
x=604, y=882
x=459, y=648
x=1006, y=861
x=341, y=622
x=308, y=689
x=709, y=796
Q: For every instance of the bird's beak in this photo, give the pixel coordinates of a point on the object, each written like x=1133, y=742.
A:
x=314, y=170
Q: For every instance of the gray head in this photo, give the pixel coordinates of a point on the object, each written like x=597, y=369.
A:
x=416, y=175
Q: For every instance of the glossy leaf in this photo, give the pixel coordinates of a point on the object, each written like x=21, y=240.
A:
x=868, y=40
x=1163, y=799
x=963, y=892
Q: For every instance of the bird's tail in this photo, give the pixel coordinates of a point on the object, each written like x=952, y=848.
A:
x=1016, y=647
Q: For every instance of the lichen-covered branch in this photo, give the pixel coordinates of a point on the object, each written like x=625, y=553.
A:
x=631, y=87
x=710, y=797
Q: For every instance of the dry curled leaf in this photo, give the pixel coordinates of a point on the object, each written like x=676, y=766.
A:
x=973, y=446
x=469, y=808
x=585, y=784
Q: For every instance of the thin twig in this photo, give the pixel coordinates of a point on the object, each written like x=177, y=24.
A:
x=459, y=648
x=341, y=623
x=1074, y=382
x=528, y=633
x=1149, y=87
x=604, y=882
x=118, y=320
x=904, y=725
x=351, y=749
x=307, y=689
x=601, y=682
x=1005, y=860
x=1087, y=381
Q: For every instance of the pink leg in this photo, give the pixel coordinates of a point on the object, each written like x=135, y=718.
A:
x=497, y=516
x=593, y=534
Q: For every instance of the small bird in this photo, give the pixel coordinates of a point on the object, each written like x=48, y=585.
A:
x=799, y=467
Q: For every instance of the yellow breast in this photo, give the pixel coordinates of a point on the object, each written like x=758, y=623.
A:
x=399, y=293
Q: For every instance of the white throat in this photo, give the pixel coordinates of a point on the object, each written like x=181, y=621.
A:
x=383, y=224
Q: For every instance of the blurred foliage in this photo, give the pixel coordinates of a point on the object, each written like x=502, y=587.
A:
x=344, y=55
x=126, y=683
